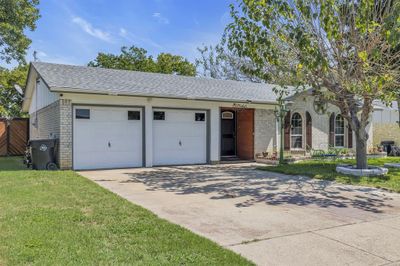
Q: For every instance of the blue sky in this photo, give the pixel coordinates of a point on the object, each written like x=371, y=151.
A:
x=74, y=31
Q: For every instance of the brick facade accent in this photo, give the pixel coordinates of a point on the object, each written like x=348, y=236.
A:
x=386, y=132
x=45, y=123
x=55, y=122
x=65, y=160
x=245, y=134
x=264, y=131
x=320, y=123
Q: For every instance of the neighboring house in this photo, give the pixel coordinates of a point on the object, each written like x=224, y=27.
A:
x=107, y=118
x=386, y=124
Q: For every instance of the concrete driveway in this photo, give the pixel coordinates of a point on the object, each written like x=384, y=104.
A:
x=269, y=218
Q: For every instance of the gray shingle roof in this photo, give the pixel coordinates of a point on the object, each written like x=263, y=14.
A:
x=122, y=82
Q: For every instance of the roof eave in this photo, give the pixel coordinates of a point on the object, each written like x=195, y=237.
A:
x=72, y=90
x=28, y=89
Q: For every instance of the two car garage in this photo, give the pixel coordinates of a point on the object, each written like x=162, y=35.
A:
x=115, y=137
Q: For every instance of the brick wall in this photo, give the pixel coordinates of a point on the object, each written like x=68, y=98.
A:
x=264, y=131
x=245, y=136
x=55, y=121
x=320, y=123
x=65, y=160
x=45, y=123
x=386, y=131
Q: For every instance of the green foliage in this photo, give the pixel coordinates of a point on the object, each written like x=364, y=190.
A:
x=135, y=58
x=10, y=99
x=323, y=43
x=219, y=63
x=332, y=152
x=15, y=17
x=61, y=218
x=326, y=170
x=346, y=51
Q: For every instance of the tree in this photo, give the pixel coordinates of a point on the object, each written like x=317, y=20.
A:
x=170, y=64
x=15, y=17
x=10, y=98
x=344, y=50
x=135, y=58
x=219, y=63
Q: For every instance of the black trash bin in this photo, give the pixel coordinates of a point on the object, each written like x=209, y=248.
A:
x=387, y=146
x=43, y=154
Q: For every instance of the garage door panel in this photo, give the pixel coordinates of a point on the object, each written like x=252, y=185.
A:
x=113, y=160
x=180, y=116
x=179, y=139
x=108, y=139
x=116, y=134
x=190, y=129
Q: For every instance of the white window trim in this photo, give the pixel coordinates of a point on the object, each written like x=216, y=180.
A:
x=344, y=132
x=297, y=135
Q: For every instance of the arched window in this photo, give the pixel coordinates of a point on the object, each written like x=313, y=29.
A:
x=339, y=131
x=296, y=132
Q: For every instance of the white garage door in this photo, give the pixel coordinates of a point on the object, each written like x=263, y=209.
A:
x=107, y=137
x=179, y=137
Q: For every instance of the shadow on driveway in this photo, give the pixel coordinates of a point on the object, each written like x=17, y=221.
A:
x=255, y=186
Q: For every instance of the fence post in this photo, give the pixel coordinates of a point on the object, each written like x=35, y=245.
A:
x=8, y=136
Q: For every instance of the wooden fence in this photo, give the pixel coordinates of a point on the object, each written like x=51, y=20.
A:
x=14, y=135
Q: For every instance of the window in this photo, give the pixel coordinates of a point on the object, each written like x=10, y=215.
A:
x=133, y=115
x=339, y=131
x=200, y=117
x=157, y=115
x=227, y=115
x=296, y=131
x=82, y=113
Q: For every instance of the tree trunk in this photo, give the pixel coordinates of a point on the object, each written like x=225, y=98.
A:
x=398, y=108
x=361, y=149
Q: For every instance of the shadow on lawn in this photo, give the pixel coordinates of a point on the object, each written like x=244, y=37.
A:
x=256, y=186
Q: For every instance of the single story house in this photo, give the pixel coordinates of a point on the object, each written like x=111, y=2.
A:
x=105, y=118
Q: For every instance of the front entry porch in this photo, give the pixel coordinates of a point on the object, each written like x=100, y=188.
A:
x=237, y=134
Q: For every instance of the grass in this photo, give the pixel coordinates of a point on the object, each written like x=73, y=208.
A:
x=61, y=218
x=325, y=169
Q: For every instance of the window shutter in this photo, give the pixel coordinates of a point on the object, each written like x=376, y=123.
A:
x=287, y=132
x=308, y=131
x=332, y=130
x=349, y=137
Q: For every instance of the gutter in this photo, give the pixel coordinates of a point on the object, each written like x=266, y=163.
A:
x=71, y=90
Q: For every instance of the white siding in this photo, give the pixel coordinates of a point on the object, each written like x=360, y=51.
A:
x=41, y=97
x=150, y=103
x=385, y=116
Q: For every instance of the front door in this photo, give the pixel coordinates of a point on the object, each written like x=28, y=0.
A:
x=228, y=133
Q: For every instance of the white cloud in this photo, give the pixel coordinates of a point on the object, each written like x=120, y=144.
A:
x=41, y=54
x=160, y=18
x=89, y=29
x=123, y=32
x=137, y=39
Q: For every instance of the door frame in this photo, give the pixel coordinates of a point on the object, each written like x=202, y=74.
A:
x=143, y=118
x=222, y=109
x=208, y=127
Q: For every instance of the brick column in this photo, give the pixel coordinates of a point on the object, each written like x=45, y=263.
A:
x=65, y=145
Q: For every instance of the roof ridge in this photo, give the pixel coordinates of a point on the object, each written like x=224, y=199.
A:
x=156, y=73
x=88, y=79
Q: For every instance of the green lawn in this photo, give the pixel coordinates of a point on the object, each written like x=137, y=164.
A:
x=61, y=218
x=325, y=169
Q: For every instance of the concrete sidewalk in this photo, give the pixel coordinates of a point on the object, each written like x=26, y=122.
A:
x=269, y=218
